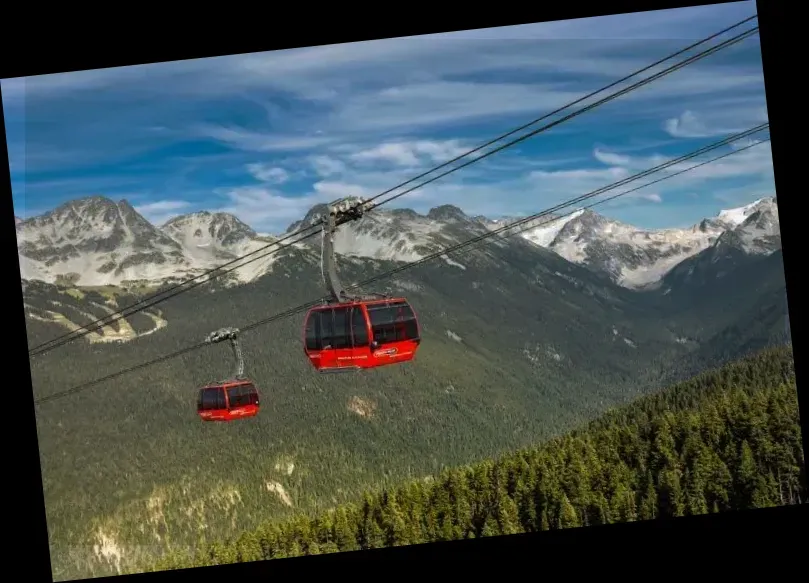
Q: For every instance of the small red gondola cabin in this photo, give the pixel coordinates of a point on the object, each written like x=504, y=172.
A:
x=350, y=336
x=228, y=401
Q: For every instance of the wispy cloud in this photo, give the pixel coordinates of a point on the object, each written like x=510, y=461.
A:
x=160, y=211
x=411, y=153
x=268, y=173
x=326, y=165
x=267, y=210
x=688, y=125
x=257, y=141
x=268, y=135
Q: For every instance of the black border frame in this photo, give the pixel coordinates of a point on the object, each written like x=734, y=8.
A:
x=84, y=40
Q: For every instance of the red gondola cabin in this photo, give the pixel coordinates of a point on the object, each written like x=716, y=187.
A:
x=362, y=334
x=228, y=401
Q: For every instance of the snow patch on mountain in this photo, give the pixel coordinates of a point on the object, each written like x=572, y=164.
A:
x=737, y=216
x=96, y=242
x=212, y=239
x=545, y=234
x=398, y=234
x=635, y=257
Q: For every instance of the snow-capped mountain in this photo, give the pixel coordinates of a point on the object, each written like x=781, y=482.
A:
x=503, y=222
x=211, y=239
x=635, y=257
x=398, y=234
x=754, y=228
x=95, y=241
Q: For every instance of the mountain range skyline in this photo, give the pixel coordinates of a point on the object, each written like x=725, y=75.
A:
x=500, y=218
x=97, y=241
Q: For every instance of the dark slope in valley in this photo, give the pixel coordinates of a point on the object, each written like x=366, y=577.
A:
x=729, y=439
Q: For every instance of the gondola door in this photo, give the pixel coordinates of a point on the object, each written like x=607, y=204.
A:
x=211, y=404
x=342, y=341
x=329, y=333
x=360, y=336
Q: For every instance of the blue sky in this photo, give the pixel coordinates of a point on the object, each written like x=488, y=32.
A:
x=267, y=135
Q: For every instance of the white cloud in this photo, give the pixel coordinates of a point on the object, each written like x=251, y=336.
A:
x=611, y=158
x=162, y=206
x=633, y=197
x=629, y=200
x=443, y=102
x=690, y=125
x=266, y=210
x=753, y=165
x=396, y=153
x=327, y=166
x=361, y=90
x=268, y=173
x=335, y=190
x=514, y=188
x=316, y=71
x=521, y=188
x=739, y=196
x=257, y=141
x=411, y=153
x=160, y=211
x=344, y=110
x=552, y=180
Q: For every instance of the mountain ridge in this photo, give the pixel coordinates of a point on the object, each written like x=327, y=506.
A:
x=95, y=241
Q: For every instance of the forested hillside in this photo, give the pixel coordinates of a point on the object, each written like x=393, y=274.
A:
x=729, y=439
x=519, y=346
x=127, y=463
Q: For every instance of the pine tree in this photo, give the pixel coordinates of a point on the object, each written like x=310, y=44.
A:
x=416, y=517
x=720, y=482
x=490, y=527
x=322, y=528
x=762, y=494
x=670, y=495
x=568, y=518
x=393, y=521
x=524, y=498
x=294, y=549
x=344, y=536
x=664, y=454
x=249, y=548
x=506, y=512
x=695, y=502
x=600, y=509
x=649, y=504
x=329, y=548
x=545, y=522
x=746, y=477
x=461, y=507
x=577, y=480
x=623, y=505
x=371, y=534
